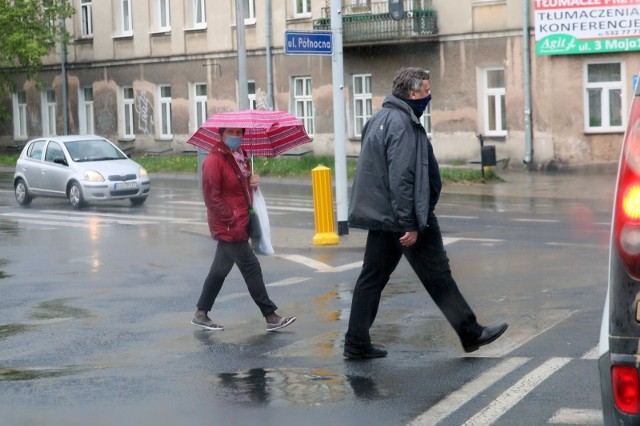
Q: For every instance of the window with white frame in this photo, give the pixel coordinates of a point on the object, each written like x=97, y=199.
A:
x=200, y=103
x=165, y=111
x=48, y=112
x=362, y=101
x=603, y=97
x=425, y=120
x=164, y=14
x=199, y=14
x=249, y=11
x=126, y=22
x=86, y=15
x=302, y=8
x=303, y=102
x=251, y=92
x=128, y=100
x=20, y=115
x=495, y=114
x=85, y=110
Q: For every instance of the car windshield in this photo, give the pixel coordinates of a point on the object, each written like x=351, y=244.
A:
x=93, y=150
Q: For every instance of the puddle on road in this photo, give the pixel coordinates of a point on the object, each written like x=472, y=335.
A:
x=26, y=373
x=8, y=228
x=290, y=386
x=3, y=263
x=58, y=308
x=8, y=330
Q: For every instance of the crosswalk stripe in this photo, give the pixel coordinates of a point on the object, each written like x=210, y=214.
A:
x=470, y=390
x=572, y=416
x=509, y=398
x=591, y=354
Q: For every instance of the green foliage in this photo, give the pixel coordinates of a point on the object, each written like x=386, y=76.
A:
x=281, y=167
x=278, y=166
x=9, y=160
x=28, y=30
x=168, y=163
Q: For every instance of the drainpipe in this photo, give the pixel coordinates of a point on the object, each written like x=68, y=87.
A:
x=528, y=156
x=269, y=64
x=63, y=70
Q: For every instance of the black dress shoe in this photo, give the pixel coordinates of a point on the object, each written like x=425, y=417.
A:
x=373, y=352
x=489, y=334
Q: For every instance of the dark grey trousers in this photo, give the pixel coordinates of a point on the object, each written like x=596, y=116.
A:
x=241, y=254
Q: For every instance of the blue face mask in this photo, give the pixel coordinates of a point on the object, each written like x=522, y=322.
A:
x=419, y=105
x=233, y=142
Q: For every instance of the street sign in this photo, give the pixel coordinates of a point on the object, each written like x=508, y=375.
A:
x=308, y=43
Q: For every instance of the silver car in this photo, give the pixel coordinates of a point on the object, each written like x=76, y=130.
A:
x=83, y=169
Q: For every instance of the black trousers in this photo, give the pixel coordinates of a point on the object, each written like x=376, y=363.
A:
x=241, y=254
x=429, y=260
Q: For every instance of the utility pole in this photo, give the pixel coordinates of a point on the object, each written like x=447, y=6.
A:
x=243, y=90
x=65, y=89
x=342, y=204
x=269, y=61
x=526, y=72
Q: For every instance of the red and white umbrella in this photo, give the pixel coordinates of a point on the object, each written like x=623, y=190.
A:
x=267, y=133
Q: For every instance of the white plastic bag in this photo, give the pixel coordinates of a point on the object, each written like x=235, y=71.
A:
x=263, y=246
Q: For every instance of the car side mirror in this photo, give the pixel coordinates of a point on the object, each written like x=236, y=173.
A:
x=60, y=160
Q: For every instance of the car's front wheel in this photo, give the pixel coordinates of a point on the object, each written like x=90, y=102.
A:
x=138, y=201
x=23, y=197
x=75, y=196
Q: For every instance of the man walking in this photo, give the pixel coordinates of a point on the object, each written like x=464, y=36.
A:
x=394, y=194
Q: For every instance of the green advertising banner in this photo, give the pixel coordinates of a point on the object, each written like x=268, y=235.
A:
x=569, y=27
x=563, y=44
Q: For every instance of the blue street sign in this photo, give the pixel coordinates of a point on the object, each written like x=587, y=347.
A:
x=308, y=43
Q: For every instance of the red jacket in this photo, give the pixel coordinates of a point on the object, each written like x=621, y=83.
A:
x=224, y=188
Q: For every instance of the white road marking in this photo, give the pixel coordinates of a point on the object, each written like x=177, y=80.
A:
x=296, y=207
x=288, y=281
x=509, y=398
x=54, y=224
x=60, y=220
x=572, y=416
x=457, y=217
x=323, y=267
x=311, y=263
x=591, y=354
x=536, y=220
x=283, y=283
x=291, y=209
x=470, y=390
x=73, y=218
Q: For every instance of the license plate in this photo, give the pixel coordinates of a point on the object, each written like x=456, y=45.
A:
x=125, y=185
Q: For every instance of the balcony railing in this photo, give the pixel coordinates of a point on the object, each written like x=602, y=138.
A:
x=372, y=22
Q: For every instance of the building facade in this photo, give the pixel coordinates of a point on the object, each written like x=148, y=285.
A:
x=146, y=74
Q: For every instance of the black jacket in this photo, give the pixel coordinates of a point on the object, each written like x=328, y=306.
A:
x=391, y=186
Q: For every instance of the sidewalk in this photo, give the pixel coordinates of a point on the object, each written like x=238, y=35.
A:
x=592, y=185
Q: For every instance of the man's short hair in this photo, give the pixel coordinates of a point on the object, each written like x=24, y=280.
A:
x=408, y=79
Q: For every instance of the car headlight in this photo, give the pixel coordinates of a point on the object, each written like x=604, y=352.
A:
x=143, y=172
x=93, y=176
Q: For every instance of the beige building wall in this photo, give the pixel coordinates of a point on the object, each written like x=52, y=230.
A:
x=472, y=36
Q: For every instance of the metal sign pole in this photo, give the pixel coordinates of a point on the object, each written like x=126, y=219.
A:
x=342, y=204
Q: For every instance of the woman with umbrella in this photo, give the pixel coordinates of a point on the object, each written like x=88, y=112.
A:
x=226, y=182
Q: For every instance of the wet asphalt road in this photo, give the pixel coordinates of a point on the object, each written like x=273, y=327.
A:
x=95, y=309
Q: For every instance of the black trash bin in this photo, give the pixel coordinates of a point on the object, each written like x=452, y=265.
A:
x=488, y=155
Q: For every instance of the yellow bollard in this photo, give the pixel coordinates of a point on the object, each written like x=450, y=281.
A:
x=323, y=207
